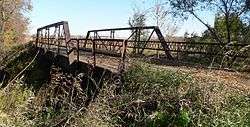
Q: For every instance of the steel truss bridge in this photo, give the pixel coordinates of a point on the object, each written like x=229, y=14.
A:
x=110, y=51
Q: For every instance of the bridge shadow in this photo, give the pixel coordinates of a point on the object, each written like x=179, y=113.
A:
x=39, y=74
x=92, y=79
x=18, y=63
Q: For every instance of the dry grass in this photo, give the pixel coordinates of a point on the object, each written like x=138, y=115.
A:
x=193, y=98
x=152, y=96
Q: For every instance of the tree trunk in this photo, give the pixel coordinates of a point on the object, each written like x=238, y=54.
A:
x=228, y=28
x=215, y=36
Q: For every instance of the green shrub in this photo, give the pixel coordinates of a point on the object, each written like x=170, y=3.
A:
x=183, y=119
x=13, y=105
x=160, y=119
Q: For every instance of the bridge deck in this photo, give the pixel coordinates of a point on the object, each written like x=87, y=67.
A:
x=107, y=62
x=103, y=61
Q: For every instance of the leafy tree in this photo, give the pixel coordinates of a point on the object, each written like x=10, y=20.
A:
x=138, y=20
x=237, y=27
x=227, y=8
x=13, y=23
x=238, y=30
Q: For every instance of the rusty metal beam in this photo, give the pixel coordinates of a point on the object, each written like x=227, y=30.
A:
x=127, y=28
x=137, y=40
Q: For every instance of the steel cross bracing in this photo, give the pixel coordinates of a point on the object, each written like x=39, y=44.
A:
x=135, y=38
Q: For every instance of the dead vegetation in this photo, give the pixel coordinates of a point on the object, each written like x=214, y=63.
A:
x=153, y=95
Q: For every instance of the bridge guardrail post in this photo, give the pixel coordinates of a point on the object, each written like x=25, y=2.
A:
x=123, y=56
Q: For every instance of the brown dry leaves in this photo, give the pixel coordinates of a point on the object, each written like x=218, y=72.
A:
x=232, y=80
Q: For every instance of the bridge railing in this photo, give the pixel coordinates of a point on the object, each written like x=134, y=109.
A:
x=195, y=47
x=118, y=49
x=113, y=47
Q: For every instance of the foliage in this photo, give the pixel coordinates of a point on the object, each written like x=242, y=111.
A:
x=246, y=37
x=58, y=103
x=138, y=20
x=150, y=98
x=14, y=102
x=236, y=27
x=13, y=23
x=225, y=56
x=227, y=8
x=8, y=53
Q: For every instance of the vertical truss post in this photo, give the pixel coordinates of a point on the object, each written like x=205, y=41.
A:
x=37, y=37
x=94, y=53
x=78, y=52
x=95, y=35
x=112, y=34
x=59, y=40
x=138, y=41
x=86, y=39
x=54, y=34
x=48, y=38
x=66, y=31
x=41, y=39
x=135, y=40
x=144, y=46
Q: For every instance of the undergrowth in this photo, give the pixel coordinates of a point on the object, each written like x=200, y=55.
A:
x=150, y=97
x=158, y=98
x=15, y=61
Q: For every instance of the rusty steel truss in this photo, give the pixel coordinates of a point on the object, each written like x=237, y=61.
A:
x=134, y=39
x=57, y=37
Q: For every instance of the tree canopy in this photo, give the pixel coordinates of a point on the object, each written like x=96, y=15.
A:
x=237, y=28
x=13, y=22
x=229, y=10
